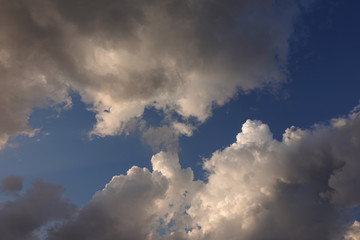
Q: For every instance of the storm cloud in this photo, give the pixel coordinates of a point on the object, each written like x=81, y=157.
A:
x=125, y=56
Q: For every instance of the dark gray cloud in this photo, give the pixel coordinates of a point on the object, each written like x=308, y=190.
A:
x=12, y=183
x=30, y=76
x=40, y=205
x=182, y=56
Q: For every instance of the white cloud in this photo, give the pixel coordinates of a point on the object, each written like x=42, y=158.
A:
x=183, y=129
x=257, y=188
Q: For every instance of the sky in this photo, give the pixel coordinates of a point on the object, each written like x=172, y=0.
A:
x=179, y=119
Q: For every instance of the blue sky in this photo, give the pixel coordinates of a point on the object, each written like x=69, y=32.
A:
x=313, y=77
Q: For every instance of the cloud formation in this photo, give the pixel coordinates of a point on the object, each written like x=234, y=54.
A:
x=303, y=187
x=124, y=56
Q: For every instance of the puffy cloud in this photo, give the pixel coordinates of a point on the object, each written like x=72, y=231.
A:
x=138, y=205
x=259, y=188
x=347, y=181
x=124, y=56
x=302, y=187
x=12, y=183
x=124, y=209
x=23, y=218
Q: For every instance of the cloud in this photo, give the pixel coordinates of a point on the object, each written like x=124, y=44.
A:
x=161, y=138
x=12, y=183
x=259, y=188
x=124, y=56
x=165, y=137
x=354, y=232
x=29, y=74
x=20, y=219
x=303, y=187
x=135, y=205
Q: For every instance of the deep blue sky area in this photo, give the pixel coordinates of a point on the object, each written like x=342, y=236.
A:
x=324, y=82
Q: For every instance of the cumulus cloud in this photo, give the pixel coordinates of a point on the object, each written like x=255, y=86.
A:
x=23, y=218
x=303, y=187
x=124, y=56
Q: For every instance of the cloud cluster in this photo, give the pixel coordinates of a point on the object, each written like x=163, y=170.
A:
x=124, y=56
x=303, y=187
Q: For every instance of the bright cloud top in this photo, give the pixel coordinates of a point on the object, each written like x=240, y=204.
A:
x=124, y=56
x=303, y=187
